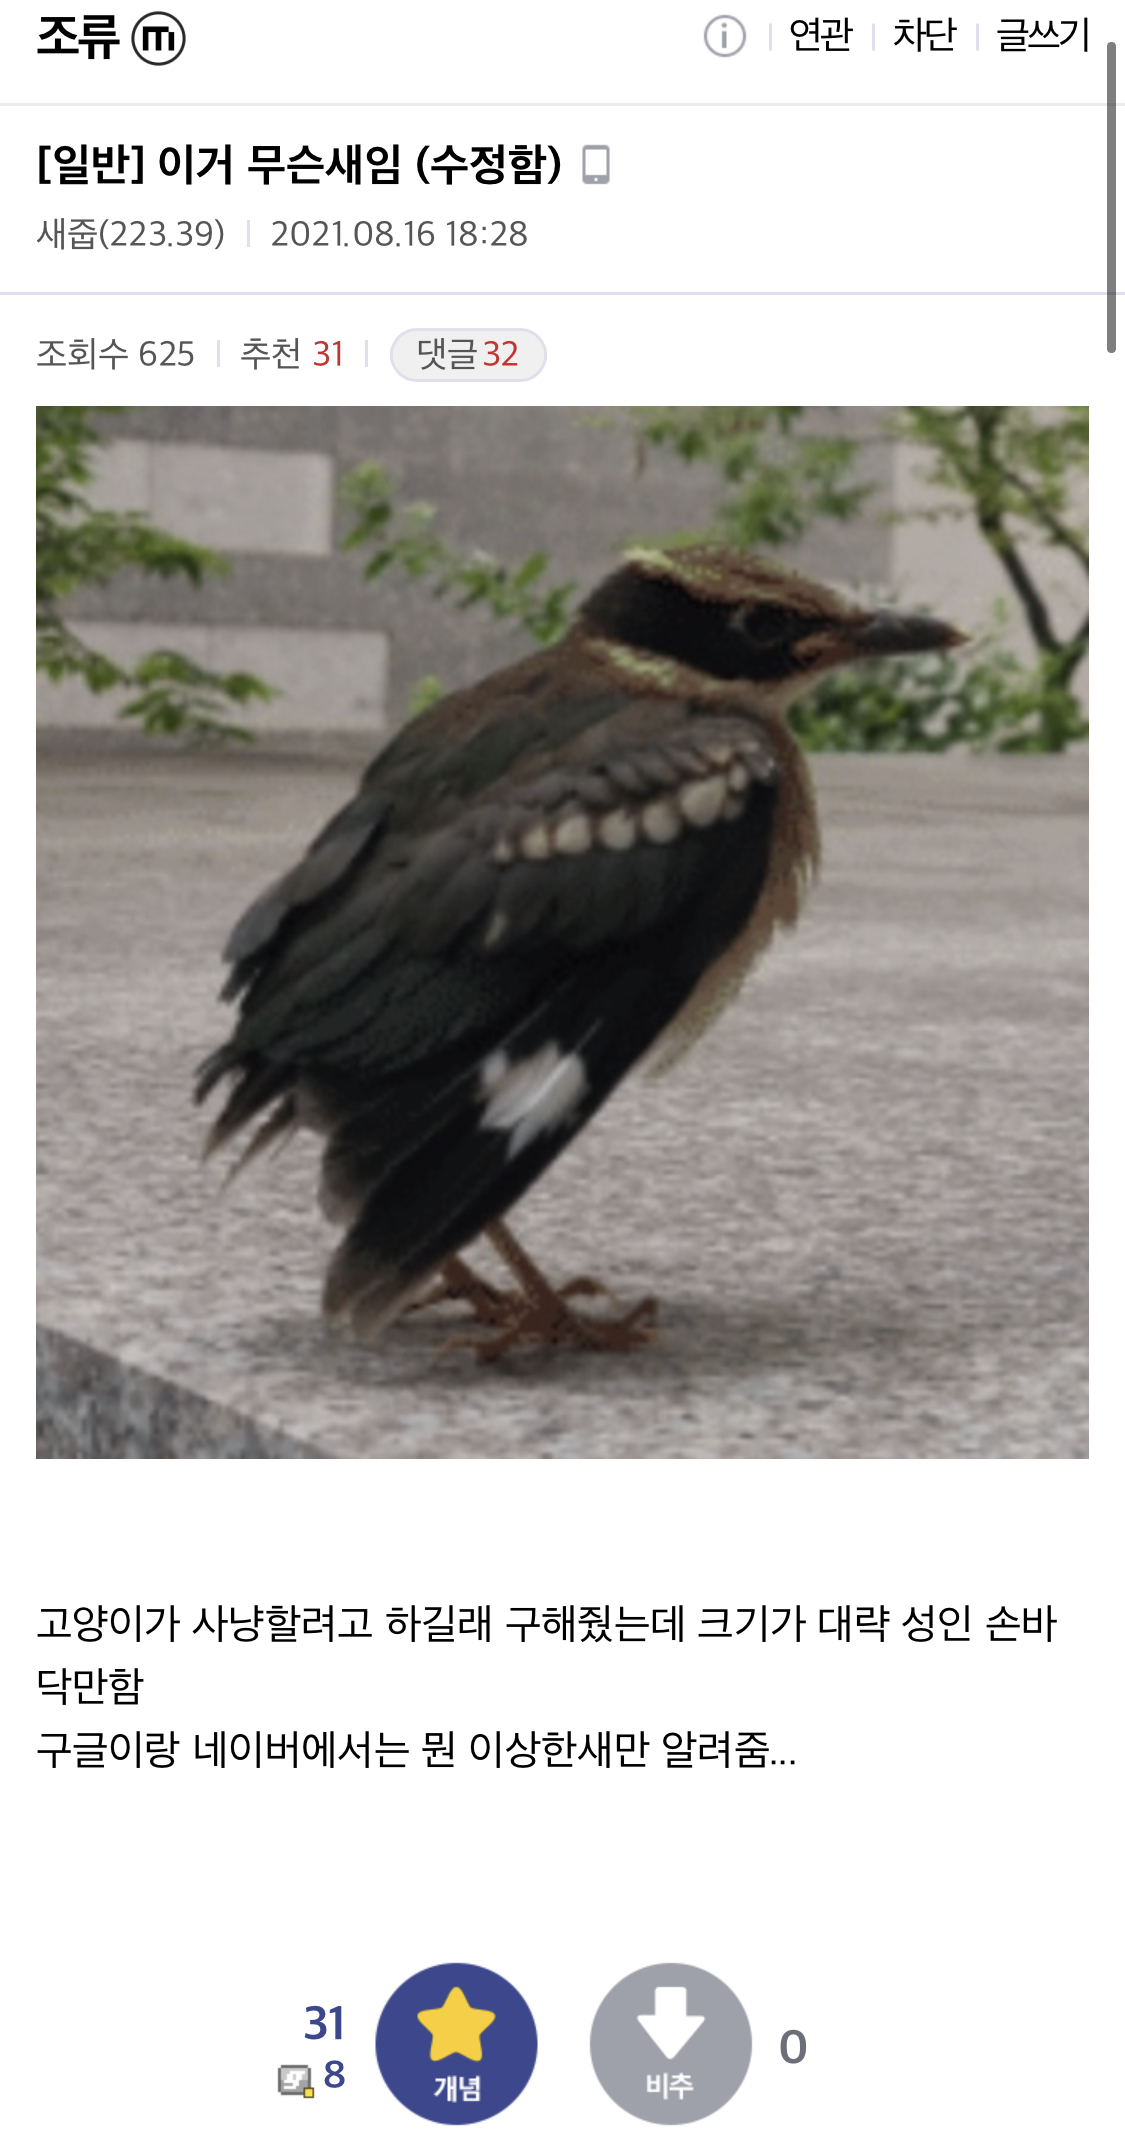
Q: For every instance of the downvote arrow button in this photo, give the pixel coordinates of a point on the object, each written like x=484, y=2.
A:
x=670, y=2024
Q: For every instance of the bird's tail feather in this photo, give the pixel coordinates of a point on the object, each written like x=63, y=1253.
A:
x=258, y=1082
x=477, y=1145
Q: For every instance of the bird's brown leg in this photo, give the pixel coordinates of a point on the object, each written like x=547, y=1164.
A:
x=540, y=1315
x=533, y=1313
x=457, y=1282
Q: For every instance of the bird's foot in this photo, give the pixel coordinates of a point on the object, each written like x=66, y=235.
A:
x=535, y=1314
x=554, y=1324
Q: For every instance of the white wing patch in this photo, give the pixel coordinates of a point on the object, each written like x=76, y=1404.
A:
x=528, y=1096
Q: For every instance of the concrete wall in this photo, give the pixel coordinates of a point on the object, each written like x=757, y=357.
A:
x=261, y=485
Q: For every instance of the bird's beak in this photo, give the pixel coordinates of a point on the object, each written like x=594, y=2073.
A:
x=887, y=632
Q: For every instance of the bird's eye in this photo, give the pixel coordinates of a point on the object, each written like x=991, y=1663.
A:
x=765, y=625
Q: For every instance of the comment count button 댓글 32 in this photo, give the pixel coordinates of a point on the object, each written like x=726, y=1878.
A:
x=429, y=355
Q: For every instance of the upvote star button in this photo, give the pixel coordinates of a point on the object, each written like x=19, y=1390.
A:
x=455, y=2041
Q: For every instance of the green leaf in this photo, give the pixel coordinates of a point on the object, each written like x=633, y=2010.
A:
x=77, y=545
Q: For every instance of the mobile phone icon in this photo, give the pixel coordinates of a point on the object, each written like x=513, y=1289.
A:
x=595, y=164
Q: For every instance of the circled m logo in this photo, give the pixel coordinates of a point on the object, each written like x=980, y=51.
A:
x=158, y=38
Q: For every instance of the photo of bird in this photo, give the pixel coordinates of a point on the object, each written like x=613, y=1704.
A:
x=541, y=880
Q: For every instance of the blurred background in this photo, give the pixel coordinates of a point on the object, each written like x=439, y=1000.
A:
x=324, y=570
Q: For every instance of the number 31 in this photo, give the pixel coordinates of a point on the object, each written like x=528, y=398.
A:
x=335, y=2012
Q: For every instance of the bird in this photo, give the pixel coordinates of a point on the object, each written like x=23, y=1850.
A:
x=545, y=878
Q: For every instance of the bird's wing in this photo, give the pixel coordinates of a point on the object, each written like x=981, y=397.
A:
x=460, y=982
x=395, y=937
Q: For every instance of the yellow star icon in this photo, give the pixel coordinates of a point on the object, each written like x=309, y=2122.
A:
x=456, y=2027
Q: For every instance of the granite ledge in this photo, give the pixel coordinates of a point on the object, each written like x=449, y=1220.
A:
x=90, y=1404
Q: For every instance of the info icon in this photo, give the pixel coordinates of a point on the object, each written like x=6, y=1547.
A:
x=456, y=2037
x=671, y=2044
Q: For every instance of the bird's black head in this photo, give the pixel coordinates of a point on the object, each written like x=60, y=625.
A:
x=737, y=617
